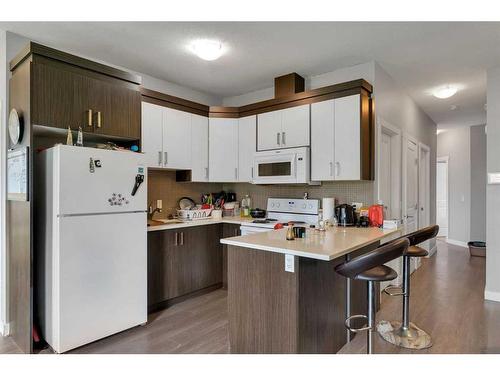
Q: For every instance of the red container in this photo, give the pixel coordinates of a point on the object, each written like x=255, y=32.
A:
x=376, y=215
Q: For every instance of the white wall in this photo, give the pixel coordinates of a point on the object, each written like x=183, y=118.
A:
x=492, y=289
x=3, y=146
x=478, y=183
x=455, y=143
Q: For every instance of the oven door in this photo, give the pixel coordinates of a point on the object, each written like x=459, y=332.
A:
x=277, y=167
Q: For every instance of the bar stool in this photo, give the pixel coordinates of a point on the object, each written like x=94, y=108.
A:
x=370, y=267
x=405, y=333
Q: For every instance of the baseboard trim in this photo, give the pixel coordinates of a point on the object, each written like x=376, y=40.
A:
x=456, y=243
x=433, y=250
x=4, y=329
x=491, y=296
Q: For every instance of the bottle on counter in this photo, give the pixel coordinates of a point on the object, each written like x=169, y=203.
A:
x=290, y=235
x=69, y=137
x=245, y=206
x=79, y=138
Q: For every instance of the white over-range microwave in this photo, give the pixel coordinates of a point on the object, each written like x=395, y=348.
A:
x=285, y=166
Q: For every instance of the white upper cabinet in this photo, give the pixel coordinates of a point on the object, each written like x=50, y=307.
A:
x=246, y=147
x=199, y=147
x=269, y=130
x=335, y=139
x=295, y=126
x=223, y=149
x=283, y=128
x=166, y=137
x=152, y=130
x=176, y=139
x=322, y=140
x=347, y=138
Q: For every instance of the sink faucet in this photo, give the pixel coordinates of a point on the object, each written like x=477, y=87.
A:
x=152, y=211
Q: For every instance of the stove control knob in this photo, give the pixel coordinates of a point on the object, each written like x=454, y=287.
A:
x=304, y=205
x=277, y=204
x=310, y=206
x=272, y=204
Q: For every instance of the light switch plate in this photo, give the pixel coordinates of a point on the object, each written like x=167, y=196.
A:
x=289, y=263
x=494, y=178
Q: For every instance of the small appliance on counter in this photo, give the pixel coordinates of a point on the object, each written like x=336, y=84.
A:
x=346, y=215
x=376, y=215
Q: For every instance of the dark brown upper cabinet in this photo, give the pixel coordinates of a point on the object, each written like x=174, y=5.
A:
x=67, y=90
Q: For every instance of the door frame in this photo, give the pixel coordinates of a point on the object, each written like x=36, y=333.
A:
x=424, y=200
x=406, y=138
x=445, y=159
x=383, y=127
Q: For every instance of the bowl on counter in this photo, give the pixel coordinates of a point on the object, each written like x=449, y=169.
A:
x=258, y=213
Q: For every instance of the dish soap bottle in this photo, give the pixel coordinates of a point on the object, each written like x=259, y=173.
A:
x=245, y=206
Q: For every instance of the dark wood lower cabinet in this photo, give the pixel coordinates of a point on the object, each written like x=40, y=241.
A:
x=181, y=262
x=228, y=230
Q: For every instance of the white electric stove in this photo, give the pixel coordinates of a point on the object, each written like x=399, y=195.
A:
x=302, y=212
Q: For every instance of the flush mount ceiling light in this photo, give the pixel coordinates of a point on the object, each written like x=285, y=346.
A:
x=207, y=49
x=445, y=92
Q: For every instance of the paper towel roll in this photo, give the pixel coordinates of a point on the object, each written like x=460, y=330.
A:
x=328, y=205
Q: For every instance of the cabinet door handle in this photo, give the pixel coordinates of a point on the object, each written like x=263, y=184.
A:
x=89, y=118
x=337, y=168
x=278, y=139
x=252, y=172
x=283, y=138
x=331, y=168
x=236, y=173
x=165, y=157
x=206, y=173
x=159, y=158
x=182, y=238
x=176, y=242
x=98, y=119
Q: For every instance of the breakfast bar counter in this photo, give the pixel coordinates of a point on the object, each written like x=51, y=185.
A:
x=285, y=296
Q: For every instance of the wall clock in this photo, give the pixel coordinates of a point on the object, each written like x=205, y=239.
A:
x=15, y=127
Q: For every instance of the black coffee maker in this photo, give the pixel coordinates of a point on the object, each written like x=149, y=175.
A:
x=346, y=215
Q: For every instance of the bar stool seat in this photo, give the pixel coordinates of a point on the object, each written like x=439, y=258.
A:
x=416, y=252
x=379, y=273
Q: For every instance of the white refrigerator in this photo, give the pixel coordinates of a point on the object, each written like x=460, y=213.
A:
x=91, y=244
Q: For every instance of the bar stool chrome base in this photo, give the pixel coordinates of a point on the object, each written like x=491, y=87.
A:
x=411, y=337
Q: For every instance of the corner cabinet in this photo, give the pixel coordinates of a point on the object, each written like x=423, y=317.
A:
x=246, y=147
x=166, y=137
x=223, y=149
x=345, y=124
x=284, y=128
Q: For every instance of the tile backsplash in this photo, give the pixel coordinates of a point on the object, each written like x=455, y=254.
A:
x=343, y=191
x=162, y=185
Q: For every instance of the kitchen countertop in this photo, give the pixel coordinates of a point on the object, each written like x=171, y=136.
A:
x=187, y=224
x=330, y=244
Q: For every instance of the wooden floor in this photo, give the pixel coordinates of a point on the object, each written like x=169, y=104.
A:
x=447, y=301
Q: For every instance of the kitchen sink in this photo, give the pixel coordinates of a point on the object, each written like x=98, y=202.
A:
x=152, y=223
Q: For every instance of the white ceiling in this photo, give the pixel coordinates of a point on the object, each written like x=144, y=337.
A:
x=420, y=56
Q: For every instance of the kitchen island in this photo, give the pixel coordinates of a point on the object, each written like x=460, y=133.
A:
x=285, y=296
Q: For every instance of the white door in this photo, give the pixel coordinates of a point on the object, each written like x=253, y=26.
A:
x=347, y=138
x=410, y=186
x=385, y=174
x=100, y=276
x=152, y=128
x=322, y=140
x=176, y=139
x=295, y=126
x=199, y=148
x=442, y=196
x=246, y=147
x=223, y=150
x=269, y=130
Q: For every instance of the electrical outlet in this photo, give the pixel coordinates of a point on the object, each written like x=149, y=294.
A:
x=289, y=263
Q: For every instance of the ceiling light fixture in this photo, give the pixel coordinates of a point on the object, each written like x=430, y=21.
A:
x=445, y=92
x=207, y=49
